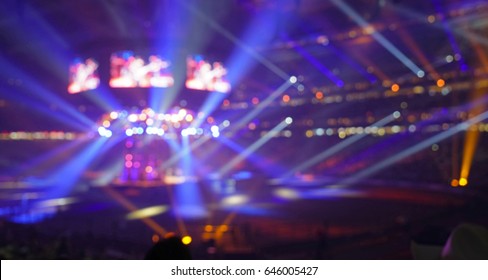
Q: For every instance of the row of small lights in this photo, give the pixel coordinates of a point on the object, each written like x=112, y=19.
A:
x=151, y=123
x=39, y=135
x=344, y=132
x=321, y=97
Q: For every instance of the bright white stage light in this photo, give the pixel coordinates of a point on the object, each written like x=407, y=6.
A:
x=114, y=115
x=102, y=131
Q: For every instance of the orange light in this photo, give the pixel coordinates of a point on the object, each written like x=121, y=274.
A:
x=286, y=98
x=454, y=183
x=208, y=228
x=395, y=87
x=186, y=239
x=224, y=228
x=441, y=83
x=319, y=95
x=155, y=238
x=463, y=182
x=149, y=169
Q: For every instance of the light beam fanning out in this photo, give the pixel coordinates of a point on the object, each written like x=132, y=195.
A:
x=380, y=38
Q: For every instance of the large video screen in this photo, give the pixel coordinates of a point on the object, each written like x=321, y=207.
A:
x=204, y=75
x=83, y=75
x=128, y=70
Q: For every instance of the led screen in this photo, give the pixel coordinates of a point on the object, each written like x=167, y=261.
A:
x=83, y=75
x=128, y=70
x=204, y=75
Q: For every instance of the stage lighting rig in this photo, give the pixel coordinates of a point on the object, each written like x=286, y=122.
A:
x=178, y=122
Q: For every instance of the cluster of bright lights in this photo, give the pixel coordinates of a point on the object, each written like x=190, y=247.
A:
x=178, y=121
x=40, y=135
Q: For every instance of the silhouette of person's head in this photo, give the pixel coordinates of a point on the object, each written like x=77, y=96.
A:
x=170, y=248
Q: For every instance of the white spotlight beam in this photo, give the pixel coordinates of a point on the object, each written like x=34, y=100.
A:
x=340, y=146
x=261, y=106
x=256, y=145
x=272, y=67
x=414, y=149
x=380, y=38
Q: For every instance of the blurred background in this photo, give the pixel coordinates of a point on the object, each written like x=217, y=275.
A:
x=252, y=129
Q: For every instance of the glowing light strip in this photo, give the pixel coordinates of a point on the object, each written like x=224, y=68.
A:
x=131, y=207
x=380, y=38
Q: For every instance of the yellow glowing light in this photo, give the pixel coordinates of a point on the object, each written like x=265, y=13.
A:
x=146, y=212
x=208, y=228
x=441, y=83
x=224, y=228
x=186, y=240
x=395, y=88
x=182, y=112
x=149, y=169
x=309, y=133
x=189, y=118
x=454, y=183
x=368, y=30
x=287, y=193
x=237, y=199
x=106, y=124
x=463, y=182
x=114, y=115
